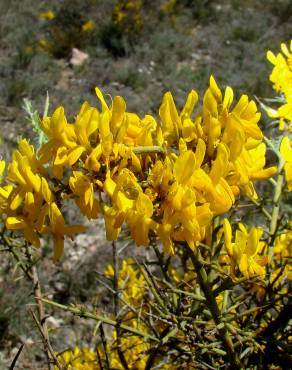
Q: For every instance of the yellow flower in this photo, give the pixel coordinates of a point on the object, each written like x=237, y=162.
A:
x=31, y=221
x=281, y=77
x=283, y=245
x=136, y=352
x=173, y=123
x=25, y=203
x=49, y=15
x=88, y=26
x=5, y=192
x=286, y=151
x=78, y=359
x=130, y=280
x=58, y=229
x=130, y=204
x=62, y=147
x=82, y=187
x=85, y=126
x=245, y=251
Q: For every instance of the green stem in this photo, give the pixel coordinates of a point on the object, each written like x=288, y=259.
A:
x=24, y=268
x=151, y=286
x=149, y=149
x=214, y=309
x=261, y=207
x=242, y=314
x=93, y=316
x=116, y=305
x=275, y=212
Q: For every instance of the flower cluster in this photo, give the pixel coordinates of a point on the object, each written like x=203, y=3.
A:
x=27, y=203
x=127, y=15
x=281, y=77
x=166, y=179
x=130, y=282
x=78, y=359
x=246, y=251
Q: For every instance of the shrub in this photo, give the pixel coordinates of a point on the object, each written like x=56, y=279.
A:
x=215, y=290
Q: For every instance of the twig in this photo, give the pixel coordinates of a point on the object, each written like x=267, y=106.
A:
x=261, y=207
x=116, y=305
x=103, y=341
x=48, y=348
x=214, y=309
x=41, y=310
x=154, y=289
x=96, y=317
x=10, y=246
x=13, y=363
x=42, y=318
x=275, y=212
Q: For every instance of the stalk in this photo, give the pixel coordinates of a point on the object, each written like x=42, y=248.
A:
x=106, y=320
x=214, y=309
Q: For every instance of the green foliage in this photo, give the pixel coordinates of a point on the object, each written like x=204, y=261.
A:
x=15, y=91
x=113, y=39
x=66, y=28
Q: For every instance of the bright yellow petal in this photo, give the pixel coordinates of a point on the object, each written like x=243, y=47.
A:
x=144, y=205
x=56, y=218
x=101, y=98
x=189, y=105
x=58, y=247
x=215, y=89
x=271, y=57
x=228, y=98
x=17, y=200
x=58, y=122
x=286, y=149
x=118, y=112
x=220, y=165
x=228, y=236
x=46, y=191
x=2, y=168
x=15, y=223
x=74, y=154
x=264, y=174
x=184, y=167
x=244, y=265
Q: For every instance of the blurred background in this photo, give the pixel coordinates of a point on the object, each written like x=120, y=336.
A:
x=138, y=49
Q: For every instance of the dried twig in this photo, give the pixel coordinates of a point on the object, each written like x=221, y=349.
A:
x=47, y=346
x=13, y=363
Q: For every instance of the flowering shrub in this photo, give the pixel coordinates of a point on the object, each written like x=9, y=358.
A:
x=120, y=34
x=127, y=15
x=217, y=294
x=65, y=28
